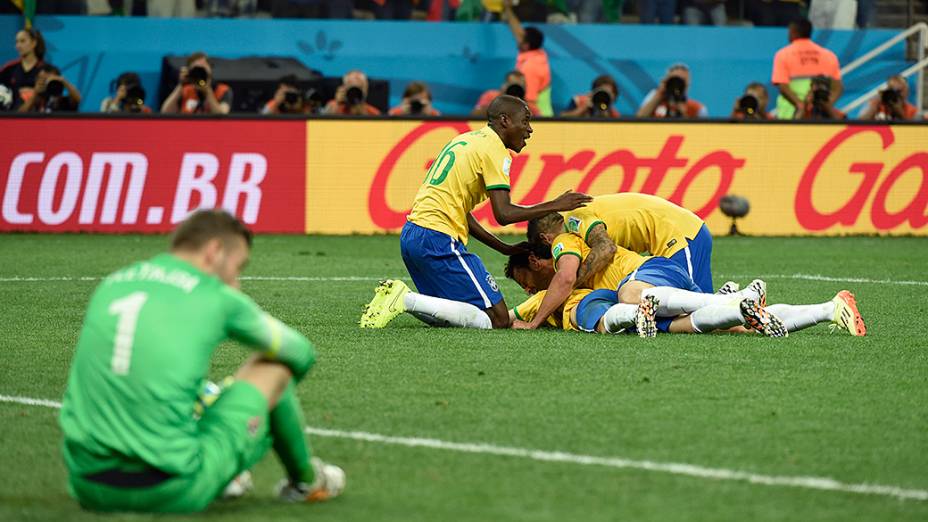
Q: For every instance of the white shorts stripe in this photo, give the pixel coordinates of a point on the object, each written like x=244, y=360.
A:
x=689, y=261
x=486, y=300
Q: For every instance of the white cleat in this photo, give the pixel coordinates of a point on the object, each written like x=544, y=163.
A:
x=730, y=287
x=759, y=319
x=328, y=484
x=645, y=317
x=239, y=486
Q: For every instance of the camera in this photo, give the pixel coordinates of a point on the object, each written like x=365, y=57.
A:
x=135, y=98
x=198, y=75
x=602, y=100
x=675, y=89
x=890, y=96
x=514, y=89
x=416, y=107
x=749, y=106
x=54, y=88
x=354, y=96
x=291, y=97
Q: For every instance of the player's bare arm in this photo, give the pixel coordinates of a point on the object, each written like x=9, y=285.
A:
x=559, y=290
x=602, y=251
x=506, y=212
x=476, y=231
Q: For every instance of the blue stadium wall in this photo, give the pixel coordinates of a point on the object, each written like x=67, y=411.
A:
x=458, y=60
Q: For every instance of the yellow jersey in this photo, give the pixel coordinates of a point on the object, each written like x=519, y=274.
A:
x=623, y=263
x=458, y=180
x=638, y=222
x=560, y=318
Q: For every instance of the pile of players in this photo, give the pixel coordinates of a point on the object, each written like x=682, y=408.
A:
x=582, y=265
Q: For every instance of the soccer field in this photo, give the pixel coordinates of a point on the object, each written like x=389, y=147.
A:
x=446, y=424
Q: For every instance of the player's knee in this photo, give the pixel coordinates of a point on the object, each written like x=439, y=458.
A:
x=631, y=292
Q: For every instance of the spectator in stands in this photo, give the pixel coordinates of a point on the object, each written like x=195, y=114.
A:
x=657, y=11
x=332, y=9
x=513, y=85
x=704, y=12
x=597, y=11
x=49, y=93
x=129, y=95
x=819, y=102
x=287, y=98
x=670, y=99
x=866, y=10
x=351, y=97
x=752, y=105
x=774, y=12
x=417, y=101
x=532, y=61
x=195, y=92
x=19, y=75
x=796, y=64
x=598, y=103
x=172, y=9
x=891, y=103
x=61, y=7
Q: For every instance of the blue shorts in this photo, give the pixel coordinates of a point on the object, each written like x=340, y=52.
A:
x=593, y=307
x=696, y=259
x=441, y=266
x=661, y=271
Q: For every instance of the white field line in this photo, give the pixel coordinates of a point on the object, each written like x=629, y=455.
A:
x=673, y=468
x=801, y=277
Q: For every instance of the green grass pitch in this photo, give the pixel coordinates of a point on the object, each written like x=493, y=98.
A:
x=815, y=404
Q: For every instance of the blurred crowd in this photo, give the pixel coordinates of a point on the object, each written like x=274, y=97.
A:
x=806, y=77
x=825, y=13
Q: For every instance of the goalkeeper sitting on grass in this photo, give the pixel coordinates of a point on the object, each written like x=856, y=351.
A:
x=131, y=439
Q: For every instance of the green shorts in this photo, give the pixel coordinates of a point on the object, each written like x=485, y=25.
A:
x=233, y=436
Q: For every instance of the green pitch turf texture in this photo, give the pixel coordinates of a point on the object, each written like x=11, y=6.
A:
x=815, y=404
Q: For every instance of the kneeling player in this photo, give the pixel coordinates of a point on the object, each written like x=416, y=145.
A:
x=131, y=439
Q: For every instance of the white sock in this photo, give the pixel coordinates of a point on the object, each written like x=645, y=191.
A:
x=674, y=301
x=797, y=317
x=447, y=311
x=716, y=317
x=619, y=317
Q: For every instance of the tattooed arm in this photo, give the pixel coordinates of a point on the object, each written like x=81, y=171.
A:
x=602, y=251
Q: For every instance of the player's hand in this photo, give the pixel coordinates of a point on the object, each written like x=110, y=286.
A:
x=182, y=76
x=519, y=324
x=518, y=248
x=571, y=200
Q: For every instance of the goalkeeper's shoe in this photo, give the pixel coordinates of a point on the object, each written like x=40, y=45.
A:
x=756, y=290
x=730, y=287
x=756, y=317
x=645, y=320
x=239, y=486
x=328, y=484
x=386, y=304
x=847, y=316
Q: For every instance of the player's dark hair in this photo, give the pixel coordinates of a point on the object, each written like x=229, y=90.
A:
x=534, y=38
x=204, y=225
x=538, y=226
x=39, y=40
x=521, y=260
x=803, y=27
x=505, y=104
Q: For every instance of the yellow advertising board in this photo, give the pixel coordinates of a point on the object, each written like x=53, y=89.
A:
x=830, y=179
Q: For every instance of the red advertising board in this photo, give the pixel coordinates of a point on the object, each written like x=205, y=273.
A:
x=109, y=175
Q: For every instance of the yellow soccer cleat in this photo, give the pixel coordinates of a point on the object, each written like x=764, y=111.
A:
x=386, y=304
x=847, y=316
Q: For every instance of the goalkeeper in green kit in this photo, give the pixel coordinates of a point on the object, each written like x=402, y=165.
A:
x=132, y=441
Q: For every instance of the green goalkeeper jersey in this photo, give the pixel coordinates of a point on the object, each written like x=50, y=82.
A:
x=142, y=358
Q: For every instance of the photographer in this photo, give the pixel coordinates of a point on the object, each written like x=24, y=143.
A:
x=752, y=105
x=670, y=99
x=49, y=93
x=513, y=85
x=532, y=61
x=819, y=102
x=19, y=75
x=129, y=96
x=795, y=64
x=598, y=103
x=892, y=103
x=417, y=101
x=351, y=97
x=287, y=99
x=195, y=92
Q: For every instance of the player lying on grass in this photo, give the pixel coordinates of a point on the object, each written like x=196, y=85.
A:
x=131, y=441
x=600, y=310
x=453, y=284
x=637, y=222
x=631, y=274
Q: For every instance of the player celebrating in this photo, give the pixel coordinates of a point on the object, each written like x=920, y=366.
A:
x=638, y=222
x=455, y=288
x=131, y=442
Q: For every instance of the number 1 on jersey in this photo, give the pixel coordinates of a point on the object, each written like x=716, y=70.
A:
x=127, y=309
